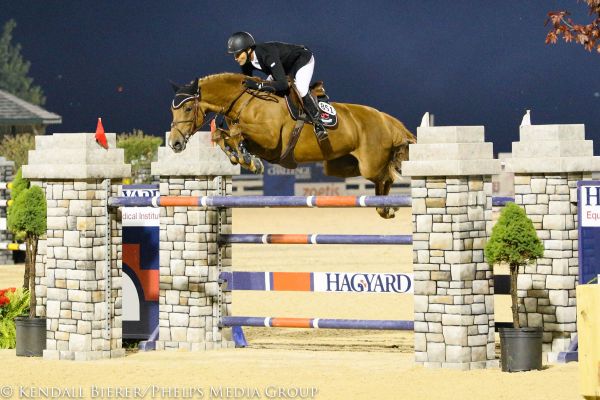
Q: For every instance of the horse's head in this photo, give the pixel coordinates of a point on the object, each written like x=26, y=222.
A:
x=188, y=115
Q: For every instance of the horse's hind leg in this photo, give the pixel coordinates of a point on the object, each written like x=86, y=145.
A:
x=382, y=188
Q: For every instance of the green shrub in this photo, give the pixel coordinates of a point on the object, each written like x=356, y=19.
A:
x=28, y=215
x=12, y=305
x=18, y=184
x=140, y=150
x=514, y=241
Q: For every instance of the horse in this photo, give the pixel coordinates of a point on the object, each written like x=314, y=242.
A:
x=365, y=141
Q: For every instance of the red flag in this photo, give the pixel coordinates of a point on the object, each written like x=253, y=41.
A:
x=100, y=136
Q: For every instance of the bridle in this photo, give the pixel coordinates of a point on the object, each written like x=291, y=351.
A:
x=174, y=125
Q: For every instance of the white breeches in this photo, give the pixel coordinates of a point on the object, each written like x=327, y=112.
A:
x=303, y=77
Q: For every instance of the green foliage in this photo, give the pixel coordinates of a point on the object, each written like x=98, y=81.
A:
x=514, y=240
x=14, y=69
x=18, y=305
x=28, y=212
x=16, y=147
x=28, y=215
x=18, y=185
x=140, y=149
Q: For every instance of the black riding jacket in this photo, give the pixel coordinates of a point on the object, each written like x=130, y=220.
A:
x=278, y=60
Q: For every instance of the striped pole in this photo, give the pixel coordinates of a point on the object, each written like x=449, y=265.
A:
x=262, y=201
x=5, y=203
x=5, y=185
x=270, y=238
x=271, y=201
x=319, y=323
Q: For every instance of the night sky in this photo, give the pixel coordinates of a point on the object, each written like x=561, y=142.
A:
x=469, y=62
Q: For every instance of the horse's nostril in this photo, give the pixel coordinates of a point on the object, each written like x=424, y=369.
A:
x=177, y=147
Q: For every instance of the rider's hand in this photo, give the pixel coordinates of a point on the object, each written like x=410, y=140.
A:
x=252, y=84
x=263, y=86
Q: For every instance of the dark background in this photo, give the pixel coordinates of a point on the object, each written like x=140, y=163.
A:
x=469, y=62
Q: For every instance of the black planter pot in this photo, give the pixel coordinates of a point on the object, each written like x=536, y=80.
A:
x=520, y=349
x=31, y=336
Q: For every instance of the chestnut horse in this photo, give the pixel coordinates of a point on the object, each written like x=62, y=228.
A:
x=365, y=141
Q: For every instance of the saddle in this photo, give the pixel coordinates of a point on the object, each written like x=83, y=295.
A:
x=329, y=117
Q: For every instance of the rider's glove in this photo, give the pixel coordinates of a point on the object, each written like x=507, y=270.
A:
x=251, y=84
x=264, y=86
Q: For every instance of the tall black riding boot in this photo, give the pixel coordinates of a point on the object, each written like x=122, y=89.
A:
x=312, y=109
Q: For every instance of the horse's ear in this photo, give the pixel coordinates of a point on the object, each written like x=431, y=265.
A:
x=174, y=86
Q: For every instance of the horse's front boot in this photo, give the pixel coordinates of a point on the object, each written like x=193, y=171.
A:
x=232, y=154
x=312, y=109
x=257, y=166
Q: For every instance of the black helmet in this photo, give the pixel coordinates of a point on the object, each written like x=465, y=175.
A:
x=239, y=41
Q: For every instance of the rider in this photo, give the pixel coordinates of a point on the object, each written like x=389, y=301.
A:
x=278, y=60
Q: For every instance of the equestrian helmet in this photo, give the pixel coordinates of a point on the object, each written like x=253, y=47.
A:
x=239, y=41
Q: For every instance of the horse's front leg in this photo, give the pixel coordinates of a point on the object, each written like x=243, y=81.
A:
x=229, y=151
x=249, y=161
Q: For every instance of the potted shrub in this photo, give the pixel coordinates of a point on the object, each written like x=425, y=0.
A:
x=514, y=241
x=27, y=219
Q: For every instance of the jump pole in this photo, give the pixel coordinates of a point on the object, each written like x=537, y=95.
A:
x=270, y=238
x=319, y=323
x=272, y=201
x=262, y=201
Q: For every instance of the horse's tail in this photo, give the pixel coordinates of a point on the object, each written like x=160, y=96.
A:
x=402, y=139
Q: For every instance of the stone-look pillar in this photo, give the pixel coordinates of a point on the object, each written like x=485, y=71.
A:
x=451, y=187
x=547, y=163
x=81, y=284
x=7, y=173
x=191, y=302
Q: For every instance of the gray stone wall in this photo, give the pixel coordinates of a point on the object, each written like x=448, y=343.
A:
x=79, y=285
x=451, y=187
x=547, y=287
x=190, y=300
x=83, y=323
x=41, y=283
x=454, y=309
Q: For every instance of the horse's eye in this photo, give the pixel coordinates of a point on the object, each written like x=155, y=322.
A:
x=188, y=109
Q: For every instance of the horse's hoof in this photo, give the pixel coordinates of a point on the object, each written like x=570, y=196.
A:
x=259, y=167
x=386, y=212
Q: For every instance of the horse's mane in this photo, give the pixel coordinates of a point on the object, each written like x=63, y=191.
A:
x=223, y=75
x=190, y=88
